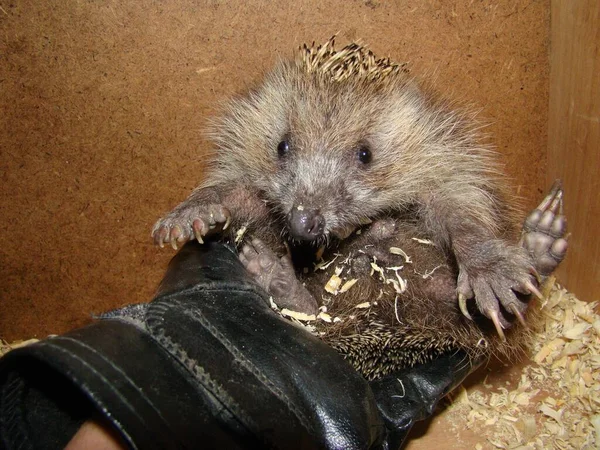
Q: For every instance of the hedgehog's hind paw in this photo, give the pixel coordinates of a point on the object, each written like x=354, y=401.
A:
x=277, y=277
x=544, y=233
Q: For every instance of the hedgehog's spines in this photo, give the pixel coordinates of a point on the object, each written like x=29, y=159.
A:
x=354, y=61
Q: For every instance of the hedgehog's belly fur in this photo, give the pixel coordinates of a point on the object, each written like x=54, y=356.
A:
x=398, y=330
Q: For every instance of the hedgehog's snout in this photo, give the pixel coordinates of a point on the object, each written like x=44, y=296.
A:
x=306, y=224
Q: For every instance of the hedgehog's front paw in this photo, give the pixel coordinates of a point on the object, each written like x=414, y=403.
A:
x=493, y=273
x=277, y=277
x=188, y=222
x=543, y=234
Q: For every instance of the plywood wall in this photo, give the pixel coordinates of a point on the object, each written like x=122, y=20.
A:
x=102, y=105
x=574, y=136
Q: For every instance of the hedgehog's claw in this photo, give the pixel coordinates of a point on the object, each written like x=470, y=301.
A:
x=553, y=198
x=494, y=315
x=534, y=273
x=515, y=311
x=198, y=226
x=532, y=289
x=175, y=236
x=557, y=203
x=462, y=304
x=160, y=237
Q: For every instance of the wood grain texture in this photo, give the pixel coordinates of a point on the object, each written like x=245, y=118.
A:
x=103, y=103
x=574, y=137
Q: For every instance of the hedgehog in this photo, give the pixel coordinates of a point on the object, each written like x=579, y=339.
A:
x=342, y=156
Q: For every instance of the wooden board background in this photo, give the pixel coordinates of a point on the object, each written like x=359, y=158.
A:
x=574, y=137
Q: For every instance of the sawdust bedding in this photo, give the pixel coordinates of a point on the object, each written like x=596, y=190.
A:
x=556, y=403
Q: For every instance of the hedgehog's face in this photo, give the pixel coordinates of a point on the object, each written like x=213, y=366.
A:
x=320, y=189
x=326, y=162
x=324, y=154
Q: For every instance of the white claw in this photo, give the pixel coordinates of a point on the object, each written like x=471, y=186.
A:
x=557, y=202
x=535, y=273
x=462, y=304
x=497, y=324
x=518, y=314
x=227, y=222
x=555, y=191
x=535, y=291
x=197, y=230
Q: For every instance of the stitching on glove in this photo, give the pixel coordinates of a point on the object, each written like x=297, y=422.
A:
x=154, y=321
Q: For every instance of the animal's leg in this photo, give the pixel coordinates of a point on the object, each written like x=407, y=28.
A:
x=276, y=276
x=499, y=269
x=543, y=234
x=209, y=211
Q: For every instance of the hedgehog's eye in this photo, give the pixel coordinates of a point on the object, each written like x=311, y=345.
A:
x=283, y=148
x=364, y=154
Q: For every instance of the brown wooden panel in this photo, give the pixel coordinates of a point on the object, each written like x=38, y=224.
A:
x=574, y=136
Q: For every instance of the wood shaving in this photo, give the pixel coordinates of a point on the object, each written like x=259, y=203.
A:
x=324, y=317
x=322, y=265
x=333, y=284
x=428, y=273
x=556, y=404
x=239, y=234
x=399, y=251
x=5, y=347
x=398, y=283
x=273, y=305
x=347, y=285
x=423, y=241
x=303, y=317
x=376, y=269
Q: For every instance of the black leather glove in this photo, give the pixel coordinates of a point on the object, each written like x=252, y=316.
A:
x=208, y=364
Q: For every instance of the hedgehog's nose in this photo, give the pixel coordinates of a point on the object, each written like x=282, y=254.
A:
x=306, y=224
